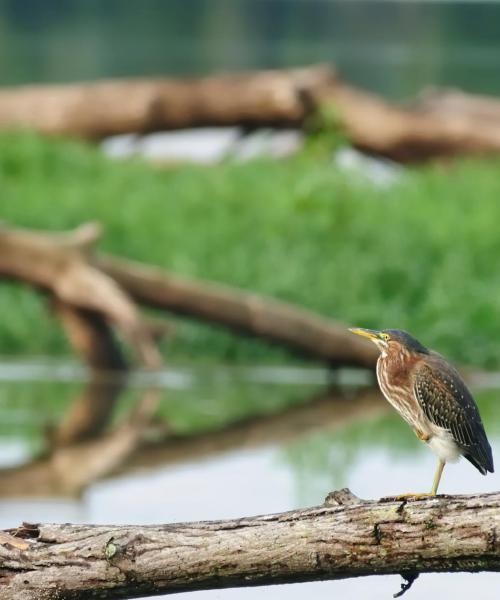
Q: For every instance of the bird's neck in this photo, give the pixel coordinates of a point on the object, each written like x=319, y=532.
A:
x=395, y=364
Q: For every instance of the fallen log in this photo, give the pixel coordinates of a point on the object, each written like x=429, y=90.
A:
x=100, y=109
x=274, y=98
x=87, y=300
x=345, y=537
x=96, y=295
x=245, y=312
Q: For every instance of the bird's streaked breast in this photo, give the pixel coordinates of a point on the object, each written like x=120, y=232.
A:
x=393, y=380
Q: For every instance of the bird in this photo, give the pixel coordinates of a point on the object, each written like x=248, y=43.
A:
x=431, y=396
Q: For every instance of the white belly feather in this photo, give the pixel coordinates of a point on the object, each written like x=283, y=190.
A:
x=443, y=445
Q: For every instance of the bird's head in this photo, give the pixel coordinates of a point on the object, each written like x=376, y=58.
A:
x=389, y=340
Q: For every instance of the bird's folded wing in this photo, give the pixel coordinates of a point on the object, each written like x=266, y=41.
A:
x=447, y=402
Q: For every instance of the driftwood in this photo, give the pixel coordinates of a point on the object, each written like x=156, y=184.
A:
x=285, y=98
x=95, y=295
x=345, y=537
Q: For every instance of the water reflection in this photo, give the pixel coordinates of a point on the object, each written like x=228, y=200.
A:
x=86, y=445
x=220, y=446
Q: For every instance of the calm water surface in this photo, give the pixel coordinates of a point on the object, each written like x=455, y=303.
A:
x=219, y=443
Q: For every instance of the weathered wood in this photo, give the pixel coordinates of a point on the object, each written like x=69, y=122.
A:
x=242, y=311
x=457, y=103
x=345, y=537
x=279, y=98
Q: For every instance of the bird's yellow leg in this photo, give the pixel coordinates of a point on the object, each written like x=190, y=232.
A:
x=437, y=477
x=435, y=485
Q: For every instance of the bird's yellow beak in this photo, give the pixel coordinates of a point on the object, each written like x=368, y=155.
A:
x=371, y=334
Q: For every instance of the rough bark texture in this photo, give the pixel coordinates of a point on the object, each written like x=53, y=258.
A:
x=254, y=99
x=343, y=538
x=95, y=295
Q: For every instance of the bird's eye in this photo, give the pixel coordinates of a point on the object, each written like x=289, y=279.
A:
x=386, y=337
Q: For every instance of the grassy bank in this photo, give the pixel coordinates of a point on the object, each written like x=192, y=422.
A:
x=421, y=255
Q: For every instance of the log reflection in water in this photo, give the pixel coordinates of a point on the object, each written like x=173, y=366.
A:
x=85, y=450
x=330, y=411
x=70, y=467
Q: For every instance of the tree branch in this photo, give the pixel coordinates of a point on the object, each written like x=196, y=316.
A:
x=345, y=537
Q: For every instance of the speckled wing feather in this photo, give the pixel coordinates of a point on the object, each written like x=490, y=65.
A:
x=447, y=403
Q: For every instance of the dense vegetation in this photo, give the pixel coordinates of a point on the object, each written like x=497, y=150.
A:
x=420, y=254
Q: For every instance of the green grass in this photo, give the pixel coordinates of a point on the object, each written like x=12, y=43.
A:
x=421, y=255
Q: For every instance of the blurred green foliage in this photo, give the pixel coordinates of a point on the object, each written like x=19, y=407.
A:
x=419, y=255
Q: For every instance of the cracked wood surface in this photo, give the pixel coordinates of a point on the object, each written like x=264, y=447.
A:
x=345, y=537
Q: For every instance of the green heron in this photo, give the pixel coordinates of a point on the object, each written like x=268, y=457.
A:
x=431, y=396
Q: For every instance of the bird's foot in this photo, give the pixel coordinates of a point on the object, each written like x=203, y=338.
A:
x=411, y=496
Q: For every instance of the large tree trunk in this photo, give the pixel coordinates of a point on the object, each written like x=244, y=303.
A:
x=344, y=538
x=286, y=98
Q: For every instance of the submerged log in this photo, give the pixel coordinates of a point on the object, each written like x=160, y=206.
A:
x=94, y=294
x=278, y=98
x=345, y=537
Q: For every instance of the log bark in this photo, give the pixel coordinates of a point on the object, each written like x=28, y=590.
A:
x=343, y=538
x=96, y=294
x=286, y=98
